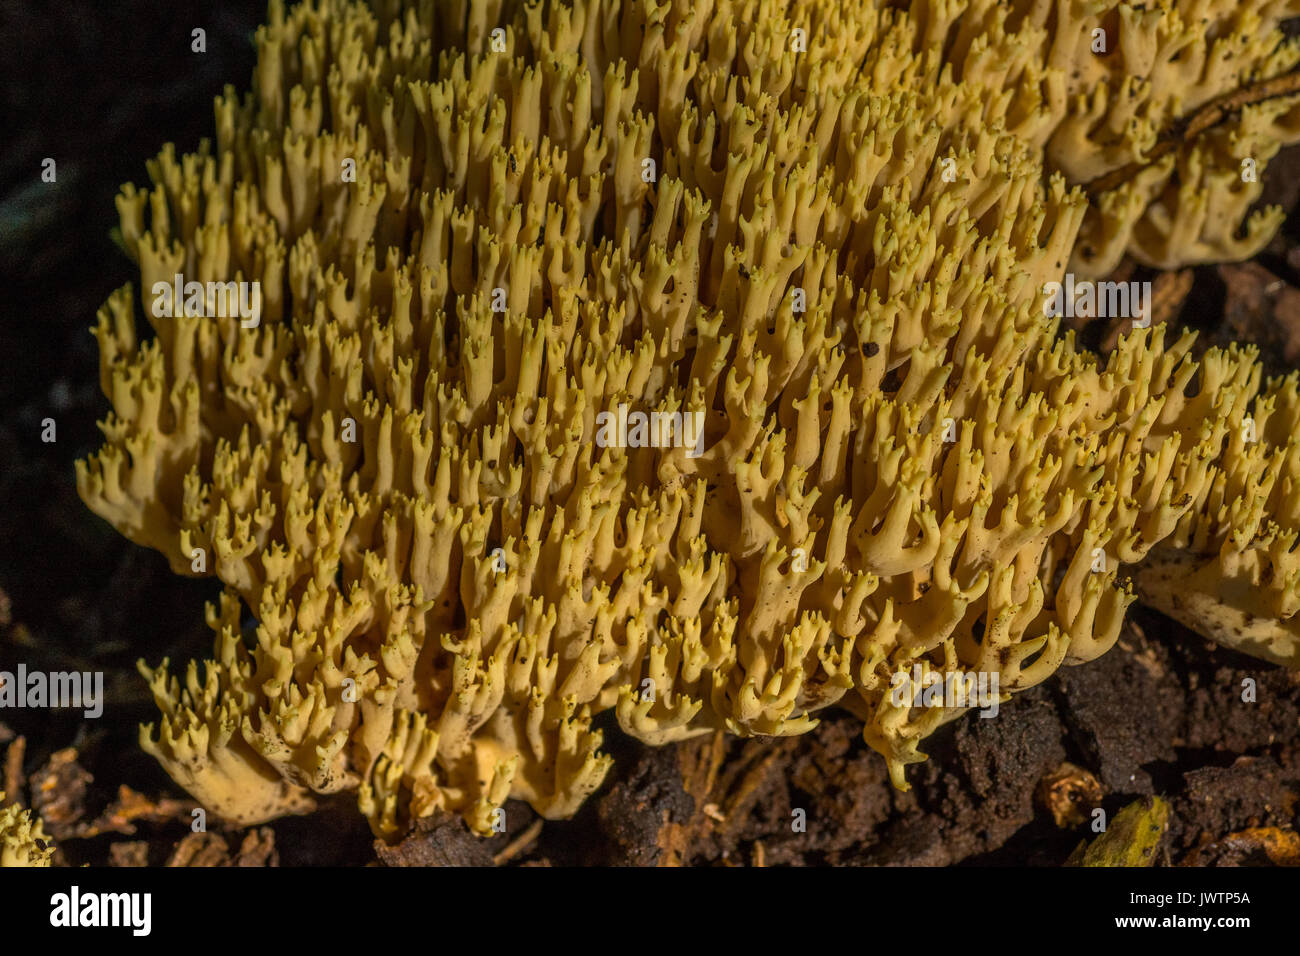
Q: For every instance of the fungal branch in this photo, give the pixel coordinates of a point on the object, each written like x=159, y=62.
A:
x=22, y=838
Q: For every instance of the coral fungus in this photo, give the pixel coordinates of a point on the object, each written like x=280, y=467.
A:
x=819, y=229
x=22, y=839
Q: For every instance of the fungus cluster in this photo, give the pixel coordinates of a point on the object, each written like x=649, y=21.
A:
x=484, y=230
x=22, y=837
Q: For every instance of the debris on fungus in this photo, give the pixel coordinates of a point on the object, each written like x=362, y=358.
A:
x=684, y=361
x=22, y=839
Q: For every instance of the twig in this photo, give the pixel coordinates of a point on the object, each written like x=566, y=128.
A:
x=747, y=791
x=13, y=776
x=519, y=844
x=1211, y=114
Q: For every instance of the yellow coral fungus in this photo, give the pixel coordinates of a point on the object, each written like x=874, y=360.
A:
x=509, y=255
x=22, y=838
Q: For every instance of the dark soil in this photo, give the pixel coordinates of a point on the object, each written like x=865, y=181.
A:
x=100, y=88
